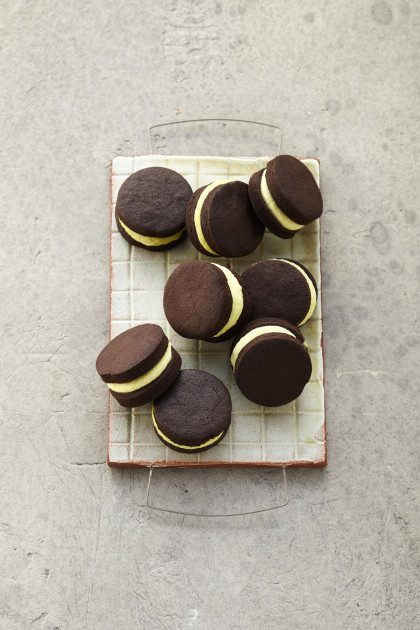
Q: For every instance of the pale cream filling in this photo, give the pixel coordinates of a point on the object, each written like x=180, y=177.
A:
x=197, y=213
x=237, y=299
x=253, y=334
x=311, y=289
x=284, y=220
x=190, y=448
x=150, y=241
x=145, y=379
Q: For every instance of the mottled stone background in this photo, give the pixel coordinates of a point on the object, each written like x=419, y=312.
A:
x=82, y=82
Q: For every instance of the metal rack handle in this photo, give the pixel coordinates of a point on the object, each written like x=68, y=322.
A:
x=160, y=509
x=198, y=120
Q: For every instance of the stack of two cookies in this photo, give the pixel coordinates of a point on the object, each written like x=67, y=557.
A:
x=140, y=366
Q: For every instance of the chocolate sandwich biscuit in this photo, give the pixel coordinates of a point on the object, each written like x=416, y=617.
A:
x=285, y=196
x=221, y=221
x=204, y=300
x=138, y=365
x=270, y=362
x=150, y=209
x=282, y=288
x=194, y=413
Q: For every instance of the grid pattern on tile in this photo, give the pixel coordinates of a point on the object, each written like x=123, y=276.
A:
x=289, y=435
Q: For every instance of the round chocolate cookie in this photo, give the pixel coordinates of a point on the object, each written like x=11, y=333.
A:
x=282, y=288
x=270, y=362
x=220, y=220
x=194, y=414
x=150, y=209
x=285, y=196
x=203, y=300
x=138, y=365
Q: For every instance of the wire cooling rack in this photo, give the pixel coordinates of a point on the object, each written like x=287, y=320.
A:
x=292, y=435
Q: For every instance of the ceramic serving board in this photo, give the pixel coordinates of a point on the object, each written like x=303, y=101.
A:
x=292, y=435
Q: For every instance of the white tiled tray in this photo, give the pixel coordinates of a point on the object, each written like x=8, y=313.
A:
x=292, y=435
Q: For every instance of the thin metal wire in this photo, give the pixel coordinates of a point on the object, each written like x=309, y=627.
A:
x=197, y=120
x=159, y=509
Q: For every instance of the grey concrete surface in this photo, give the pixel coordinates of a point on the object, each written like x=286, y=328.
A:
x=81, y=82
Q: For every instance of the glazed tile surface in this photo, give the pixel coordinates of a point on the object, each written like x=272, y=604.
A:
x=293, y=435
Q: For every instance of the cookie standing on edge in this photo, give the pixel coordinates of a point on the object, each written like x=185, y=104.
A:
x=285, y=196
x=194, y=414
x=280, y=287
x=221, y=221
x=138, y=365
x=150, y=209
x=203, y=300
x=270, y=362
